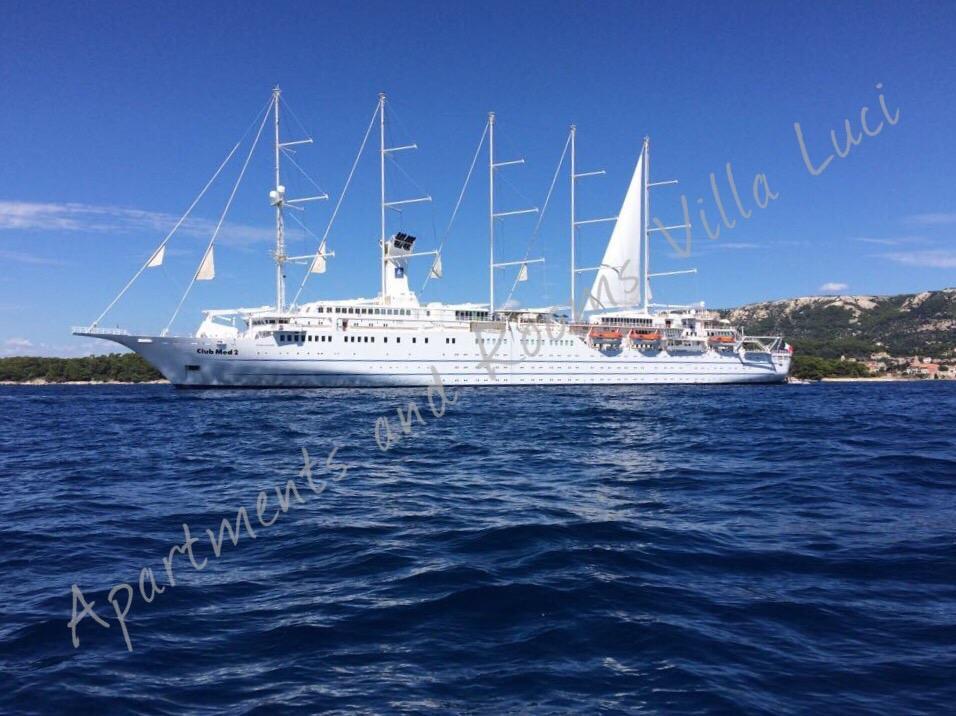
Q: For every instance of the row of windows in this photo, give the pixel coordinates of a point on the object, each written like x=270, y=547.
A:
x=302, y=338
x=627, y=321
x=471, y=315
x=368, y=311
x=371, y=339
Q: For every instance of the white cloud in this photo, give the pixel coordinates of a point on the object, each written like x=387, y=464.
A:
x=72, y=349
x=740, y=245
x=89, y=218
x=833, y=287
x=932, y=219
x=21, y=257
x=935, y=258
x=891, y=241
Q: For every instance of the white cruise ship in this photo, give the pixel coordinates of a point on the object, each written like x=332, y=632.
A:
x=616, y=337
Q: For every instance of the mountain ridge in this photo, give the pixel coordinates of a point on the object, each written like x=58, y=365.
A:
x=857, y=326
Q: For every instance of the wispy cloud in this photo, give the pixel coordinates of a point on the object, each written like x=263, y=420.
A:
x=736, y=246
x=116, y=220
x=19, y=346
x=933, y=258
x=833, y=287
x=932, y=219
x=890, y=241
x=22, y=257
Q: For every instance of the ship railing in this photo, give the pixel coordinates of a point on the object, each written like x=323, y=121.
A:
x=97, y=330
x=768, y=344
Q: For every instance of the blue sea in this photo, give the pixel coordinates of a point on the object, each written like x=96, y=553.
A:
x=677, y=550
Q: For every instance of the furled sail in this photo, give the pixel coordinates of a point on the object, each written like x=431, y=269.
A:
x=618, y=280
x=207, y=269
x=157, y=258
x=523, y=273
x=436, y=271
x=318, y=264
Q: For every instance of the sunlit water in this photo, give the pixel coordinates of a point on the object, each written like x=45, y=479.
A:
x=777, y=549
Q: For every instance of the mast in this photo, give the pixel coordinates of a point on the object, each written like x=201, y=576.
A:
x=381, y=144
x=491, y=215
x=646, y=283
x=573, y=226
x=278, y=201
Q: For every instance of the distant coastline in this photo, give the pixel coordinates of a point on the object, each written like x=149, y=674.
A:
x=114, y=368
x=40, y=381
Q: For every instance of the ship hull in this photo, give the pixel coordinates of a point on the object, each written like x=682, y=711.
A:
x=195, y=362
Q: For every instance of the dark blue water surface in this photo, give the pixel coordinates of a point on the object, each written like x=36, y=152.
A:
x=764, y=550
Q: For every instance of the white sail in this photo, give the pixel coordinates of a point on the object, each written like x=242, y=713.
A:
x=618, y=280
x=207, y=269
x=318, y=264
x=157, y=258
x=523, y=273
x=436, y=271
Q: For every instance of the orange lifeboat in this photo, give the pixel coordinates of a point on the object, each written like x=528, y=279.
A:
x=606, y=334
x=721, y=339
x=636, y=335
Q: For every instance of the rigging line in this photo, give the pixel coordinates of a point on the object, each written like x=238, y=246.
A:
x=338, y=203
x=222, y=217
x=285, y=104
x=544, y=209
x=304, y=173
x=408, y=176
x=183, y=217
x=168, y=236
x=526, y=200
x=304, y=227
x=461, y=196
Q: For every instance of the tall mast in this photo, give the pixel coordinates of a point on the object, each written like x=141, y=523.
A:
x=491, y=214
x=573, y=226
x=646, y=283
x=381, y=137
x=280, y=256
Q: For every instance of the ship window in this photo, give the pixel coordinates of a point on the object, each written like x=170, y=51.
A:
x=414, y=340
x=365, y=340
x=192, y=367
x=385, y=339
x=426, y=340
x=398, y=340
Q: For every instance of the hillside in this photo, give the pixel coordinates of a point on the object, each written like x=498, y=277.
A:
x=922, y=324
x=115, y=367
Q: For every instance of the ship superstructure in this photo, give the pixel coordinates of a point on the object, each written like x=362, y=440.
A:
x=393, y=339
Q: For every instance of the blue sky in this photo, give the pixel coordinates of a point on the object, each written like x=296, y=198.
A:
x=115, y=115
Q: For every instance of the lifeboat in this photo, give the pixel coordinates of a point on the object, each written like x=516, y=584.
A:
x=605, y=334
x=636, y=335
x=722, y=339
